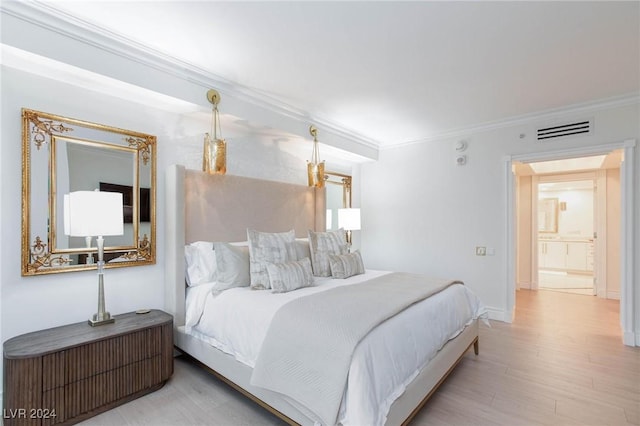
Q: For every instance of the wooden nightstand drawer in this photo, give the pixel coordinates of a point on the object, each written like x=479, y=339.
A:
x=82, y=396
x=74, y=364
x=66, y=374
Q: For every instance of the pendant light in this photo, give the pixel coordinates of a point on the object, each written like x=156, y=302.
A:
x=315, y=167
x=214, y=157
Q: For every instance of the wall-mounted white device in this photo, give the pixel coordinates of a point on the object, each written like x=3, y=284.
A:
x=461, y=146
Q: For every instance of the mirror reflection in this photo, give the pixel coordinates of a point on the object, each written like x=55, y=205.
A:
x=338, y=187
x=548, y=215
x=62, y=155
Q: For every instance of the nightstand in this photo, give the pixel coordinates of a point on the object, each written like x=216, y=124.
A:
x=67, y=374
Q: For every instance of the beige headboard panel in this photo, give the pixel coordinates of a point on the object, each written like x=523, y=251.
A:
x=221, y=208
x=203, y=207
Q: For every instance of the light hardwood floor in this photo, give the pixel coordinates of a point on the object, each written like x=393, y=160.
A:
x=561, y=362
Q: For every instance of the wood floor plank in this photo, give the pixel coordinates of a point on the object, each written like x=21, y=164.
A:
x=561, y=362
x=590, y=412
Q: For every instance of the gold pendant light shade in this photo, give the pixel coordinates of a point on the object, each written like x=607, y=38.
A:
x=214, y=159
x=316, y=174
x=315, y=167
x=214, y=156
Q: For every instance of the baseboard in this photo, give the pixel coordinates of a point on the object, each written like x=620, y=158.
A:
x=525, y=286
x=630, y=338
x=613, y=295
x=499, y=314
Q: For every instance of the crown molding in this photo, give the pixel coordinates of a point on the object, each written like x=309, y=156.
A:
x=525, y=119
x=47, y=16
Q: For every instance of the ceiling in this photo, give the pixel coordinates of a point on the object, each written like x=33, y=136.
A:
x=573, y=185
x=612, y=160
x=568, y=164
x=395, y=72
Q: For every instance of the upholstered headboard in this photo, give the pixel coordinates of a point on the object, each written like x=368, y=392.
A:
x=203, y=207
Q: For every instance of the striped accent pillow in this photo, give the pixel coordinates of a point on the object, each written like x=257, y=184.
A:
x=290, y=276
x=268, y=247
x=346, y=265
x=323, y=244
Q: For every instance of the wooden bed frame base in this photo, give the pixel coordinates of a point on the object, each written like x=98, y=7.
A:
x=216, y=208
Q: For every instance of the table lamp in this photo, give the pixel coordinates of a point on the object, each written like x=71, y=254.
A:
x=349, y=220
x=95, y=214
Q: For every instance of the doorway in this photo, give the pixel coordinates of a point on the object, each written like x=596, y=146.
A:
x=566, y=232
x=515, y=236
x=571, y=212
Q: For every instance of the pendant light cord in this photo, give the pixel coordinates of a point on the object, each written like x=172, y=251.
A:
x=315, y=154
x=215, y=123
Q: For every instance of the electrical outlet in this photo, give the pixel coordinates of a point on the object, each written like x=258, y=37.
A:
x=481, y=251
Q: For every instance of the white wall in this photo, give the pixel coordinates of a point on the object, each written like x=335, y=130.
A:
x=613, y=233
x=524, y=243
x=423, y=213
x=577, y=220
x=81, y=75
x=33, y=303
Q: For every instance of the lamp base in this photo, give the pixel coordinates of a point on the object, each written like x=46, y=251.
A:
x=103, y=319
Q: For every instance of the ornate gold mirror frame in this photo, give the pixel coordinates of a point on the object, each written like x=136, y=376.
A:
x=61, y=155
x=338, y=187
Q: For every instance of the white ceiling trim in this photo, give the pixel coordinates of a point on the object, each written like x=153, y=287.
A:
x=528, y=119
x=50, y=18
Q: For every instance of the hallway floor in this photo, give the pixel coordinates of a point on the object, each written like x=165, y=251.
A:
x=561, y=362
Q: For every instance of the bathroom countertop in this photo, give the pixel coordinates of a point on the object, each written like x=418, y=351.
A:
x=566, y=239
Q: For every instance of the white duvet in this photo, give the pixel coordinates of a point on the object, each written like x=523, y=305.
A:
x=390, y=357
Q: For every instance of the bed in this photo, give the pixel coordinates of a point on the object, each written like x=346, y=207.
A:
x=202, y=207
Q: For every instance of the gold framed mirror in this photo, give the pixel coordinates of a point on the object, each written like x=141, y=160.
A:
x=338, y=187
x=61, y=155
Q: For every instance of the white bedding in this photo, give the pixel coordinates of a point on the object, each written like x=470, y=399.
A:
x=391, y=356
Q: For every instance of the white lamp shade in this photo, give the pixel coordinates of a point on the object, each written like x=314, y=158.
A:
x=349, y=219
x=93, y=213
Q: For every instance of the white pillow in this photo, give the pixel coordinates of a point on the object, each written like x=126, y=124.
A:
x=346, y=265
x=290, y=276
x=195, y=300
x=272, y=247
x=200, y=263
x=233, y=266
x=322, y=245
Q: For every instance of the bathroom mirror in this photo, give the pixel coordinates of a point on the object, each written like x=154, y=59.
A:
x=62, y=155
x=338, y=187
x=548, y=215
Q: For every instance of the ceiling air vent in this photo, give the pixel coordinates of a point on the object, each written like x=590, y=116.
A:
x=559, y=131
